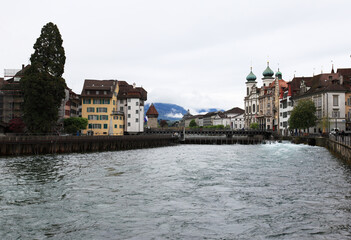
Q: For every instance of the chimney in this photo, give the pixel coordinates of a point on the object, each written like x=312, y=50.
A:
x=22, y=66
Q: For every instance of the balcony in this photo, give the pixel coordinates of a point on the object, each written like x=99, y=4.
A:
x=117, y=113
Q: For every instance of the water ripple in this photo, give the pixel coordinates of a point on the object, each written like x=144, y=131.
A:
x=272, y=191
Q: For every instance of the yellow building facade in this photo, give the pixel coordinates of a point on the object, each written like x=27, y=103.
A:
x=99, y=106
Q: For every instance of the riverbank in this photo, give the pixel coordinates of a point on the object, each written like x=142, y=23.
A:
x=29, y=145
x=340, y=147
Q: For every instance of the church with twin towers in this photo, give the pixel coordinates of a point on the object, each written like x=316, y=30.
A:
x=262, y=103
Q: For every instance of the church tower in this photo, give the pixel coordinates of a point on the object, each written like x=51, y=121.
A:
x=250, y=82
x=267, y=76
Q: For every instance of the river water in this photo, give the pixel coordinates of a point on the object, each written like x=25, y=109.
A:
x=271, y=191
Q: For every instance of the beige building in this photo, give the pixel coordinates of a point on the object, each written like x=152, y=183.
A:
x=99, y=106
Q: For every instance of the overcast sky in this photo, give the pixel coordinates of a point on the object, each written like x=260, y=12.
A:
x=196, y=54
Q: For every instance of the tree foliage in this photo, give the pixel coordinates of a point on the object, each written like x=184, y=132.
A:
x=74, y=124
x=42, y=84
x=254, y=125
x=303, y=116
x=192, y=123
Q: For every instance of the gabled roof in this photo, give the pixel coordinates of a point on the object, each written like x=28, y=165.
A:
x=152, y=111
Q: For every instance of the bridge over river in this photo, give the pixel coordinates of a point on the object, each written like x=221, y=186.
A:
x=215, y=136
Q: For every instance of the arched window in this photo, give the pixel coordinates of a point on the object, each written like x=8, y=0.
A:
x=247, y=91
x=253, y=108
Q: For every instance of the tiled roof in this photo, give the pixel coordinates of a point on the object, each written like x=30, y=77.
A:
x=152, y=111
x=296, y=83
x=128, y=91
x=346, y=74
x=92, y=87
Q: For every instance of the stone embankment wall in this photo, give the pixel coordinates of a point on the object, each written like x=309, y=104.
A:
x=22, y=145
x=340, y=149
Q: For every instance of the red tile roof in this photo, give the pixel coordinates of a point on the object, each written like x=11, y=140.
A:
x=152, y=111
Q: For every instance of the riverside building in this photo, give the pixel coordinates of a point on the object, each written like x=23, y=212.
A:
x=99, y=106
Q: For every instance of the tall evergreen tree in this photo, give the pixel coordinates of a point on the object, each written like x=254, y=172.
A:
x=43, y=86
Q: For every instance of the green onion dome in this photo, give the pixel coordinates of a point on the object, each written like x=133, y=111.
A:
x=268, y=72
x=278, y=74
x=251, y=77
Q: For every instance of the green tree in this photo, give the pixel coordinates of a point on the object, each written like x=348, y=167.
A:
x=42, y=84
x=254, y=125
x=74, y=124
x=192, y=123
x=303, y=116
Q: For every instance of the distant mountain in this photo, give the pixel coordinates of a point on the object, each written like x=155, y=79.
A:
x=168, y=111
x=173, y=112
x=209, y=110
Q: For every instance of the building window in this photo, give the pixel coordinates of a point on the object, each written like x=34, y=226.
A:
x=97, y=92
x=121, y=109
x=137, y=104
x=101, y=109
x=105, y=126
x=115, y=117
x=129, y=99
x=93, y=117
x=247, y=91
x=90, y=126
x=120, y=126
x=103, y=117
x=88, y=92
x=253, y=108
x=101, y=101
x=129, y=124
x=86, y=101
x=105, y=92
x=335, y=114
x=121, y=101
x=349, y=101
x=129, y=107
x=115, y=125
x=128, y=115
x=137, y=120
x=114, y=102
x=137, y=111
x=335, y=100
x=96, y=126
